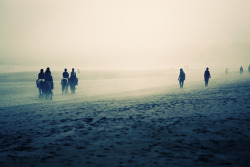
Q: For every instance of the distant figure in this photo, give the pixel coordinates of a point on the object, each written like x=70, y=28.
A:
x=241, y=70
x=78, y=71
x=40, y=83
x=207, y=76
x=64, y=81
x=49, y=85
x=226, y=71
x=249, y=68
x=181, y=78
x=47, y=75
x=73, y=74
x=41, y=74
x=65, y=74
x=73, y=81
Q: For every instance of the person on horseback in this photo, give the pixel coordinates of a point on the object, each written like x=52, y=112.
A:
x=40, y=78
x=73, y=81
x=48, y=77
x=64, y=81
x=40, y=83
x=49, y=85
x=65, y=74
x=73, y=74
x=207, y=76
x=181, y=78
x=41, y=74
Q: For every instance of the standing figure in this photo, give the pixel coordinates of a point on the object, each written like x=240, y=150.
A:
x=64, y=81
x=226, y=71
x=49, y=85
x=73, y=81
x=40, y=83
x=181, y=78
x=249, y=68
x=207, y=76
x=241, y=70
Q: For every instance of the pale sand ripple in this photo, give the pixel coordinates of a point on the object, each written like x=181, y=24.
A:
x=204, y=127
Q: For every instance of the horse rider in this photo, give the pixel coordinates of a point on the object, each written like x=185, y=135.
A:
x=48, y=77
x=65, y=74
x=73, y=74
x=41, y=74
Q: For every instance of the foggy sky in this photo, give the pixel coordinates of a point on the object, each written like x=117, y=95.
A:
x=125, y=34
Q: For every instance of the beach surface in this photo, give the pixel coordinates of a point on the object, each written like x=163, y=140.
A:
x=194, y=126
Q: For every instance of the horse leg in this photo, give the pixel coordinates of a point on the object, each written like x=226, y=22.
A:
x=40, y=94
x=66, y=88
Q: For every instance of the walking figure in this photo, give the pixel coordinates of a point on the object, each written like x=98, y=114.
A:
x=207, y=76
x=181, y=78
x=241, y=70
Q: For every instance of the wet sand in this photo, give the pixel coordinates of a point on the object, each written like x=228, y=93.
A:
x=203, y=127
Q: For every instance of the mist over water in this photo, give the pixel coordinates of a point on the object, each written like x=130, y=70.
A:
x=20, y=88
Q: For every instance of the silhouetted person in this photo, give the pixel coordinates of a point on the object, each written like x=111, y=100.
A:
x=48, y=85
x=226, y=71
x=41, y=74
x=65, y=74
x=73, y=81
x=249, y=68
x=64, y=81
x=40, y=79
x=73, y=74
x=48, y=76
x=207, y=76
x=181, y=78
x=241, y=70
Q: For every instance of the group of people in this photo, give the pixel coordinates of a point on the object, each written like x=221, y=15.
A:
x=45, y=78
x=45, y=83
x=182, y=77
x=241, y=69
x=66, y=81
x=207, y=75
x=45, y=75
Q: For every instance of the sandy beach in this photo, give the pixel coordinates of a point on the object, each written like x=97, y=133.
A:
x=188, y=127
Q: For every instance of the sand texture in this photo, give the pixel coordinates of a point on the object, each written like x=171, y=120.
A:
x=203, y=127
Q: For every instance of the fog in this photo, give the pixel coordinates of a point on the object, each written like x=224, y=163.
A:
x=124, y=35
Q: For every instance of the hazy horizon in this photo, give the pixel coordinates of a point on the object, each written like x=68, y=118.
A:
x=124, y=35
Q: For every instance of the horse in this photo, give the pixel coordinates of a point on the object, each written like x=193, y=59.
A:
x=40, y=86
x=72, y=83
x=65, y=85
x=48, y=86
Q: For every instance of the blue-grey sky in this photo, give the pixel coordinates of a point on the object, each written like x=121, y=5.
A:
x=125, y=34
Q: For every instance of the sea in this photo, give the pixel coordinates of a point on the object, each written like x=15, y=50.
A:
x=19, y=88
